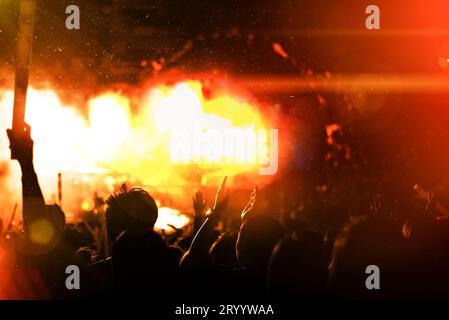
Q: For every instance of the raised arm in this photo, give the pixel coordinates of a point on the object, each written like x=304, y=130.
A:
x=249, y=211
x=199, y=206
x=21, y=146
x=199, y=249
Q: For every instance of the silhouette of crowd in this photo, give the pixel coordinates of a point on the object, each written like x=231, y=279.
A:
x=267, y=254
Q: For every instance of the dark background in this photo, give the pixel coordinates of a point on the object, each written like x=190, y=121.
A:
x=134, y=30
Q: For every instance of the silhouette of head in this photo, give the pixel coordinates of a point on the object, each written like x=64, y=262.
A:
x=298, y=267
x=367, y=241
x=133, y=211
x=223, y=251
x=256, y=240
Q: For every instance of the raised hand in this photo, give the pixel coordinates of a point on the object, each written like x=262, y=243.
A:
x=199, y=204
x=221, y=198
x=248, y=211
x=34, y=207
x=199, y=249
x=21, y=145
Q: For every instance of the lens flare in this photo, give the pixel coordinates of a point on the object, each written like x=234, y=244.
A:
x=42, y=232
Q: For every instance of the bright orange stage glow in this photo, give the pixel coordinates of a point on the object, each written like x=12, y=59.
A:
x=146, y=138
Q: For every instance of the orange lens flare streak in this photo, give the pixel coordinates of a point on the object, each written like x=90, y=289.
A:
x=377, y=82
